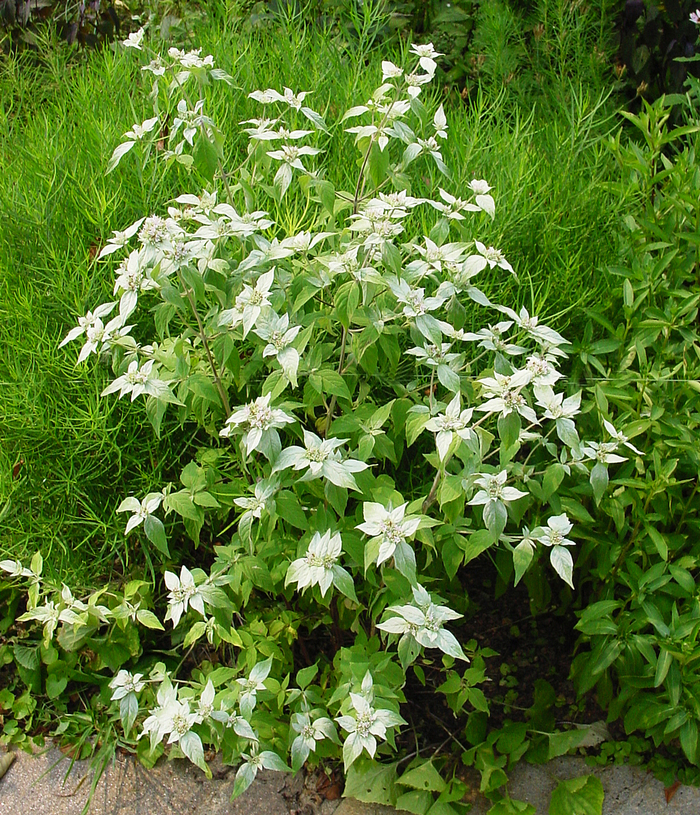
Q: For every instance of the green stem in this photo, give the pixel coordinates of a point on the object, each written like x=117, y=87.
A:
x=223, y=396
x=334, y=399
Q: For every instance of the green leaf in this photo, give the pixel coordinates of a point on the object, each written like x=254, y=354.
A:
x=476, y=543
x=334, y=384
x=191, y=746
x=55, y=685
x=423, y=777
x=149, y=619
x=27, y=657
x=326, y=192
x=128, y=711
x=561, y=743
x=522, y=557
x=155, y=532
x=509, y=429
x=183, y=504
x=371, y=782
x=416, y=420
x=205, y=157
x=344, y=582
x=689, y=740
x=578, y=796
x=448, y=378
x=289, y=509
x=416, y=801
x=553, y=477
x=508, y=806
x=599, y=481
x=306, y=675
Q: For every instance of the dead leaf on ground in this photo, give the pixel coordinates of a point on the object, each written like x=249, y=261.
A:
x=669, y=792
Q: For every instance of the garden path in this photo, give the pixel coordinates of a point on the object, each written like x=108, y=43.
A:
x=46, y=784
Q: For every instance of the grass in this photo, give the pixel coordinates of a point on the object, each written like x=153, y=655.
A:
x=69, y=456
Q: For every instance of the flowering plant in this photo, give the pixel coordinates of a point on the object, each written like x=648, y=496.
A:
x=311, y=362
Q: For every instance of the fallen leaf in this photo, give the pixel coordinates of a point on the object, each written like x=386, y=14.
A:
x=6, y=762
x=669, y=792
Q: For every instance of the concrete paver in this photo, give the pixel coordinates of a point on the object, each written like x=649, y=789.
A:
x=47, y=784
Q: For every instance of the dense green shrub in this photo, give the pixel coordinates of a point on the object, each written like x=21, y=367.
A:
x=639, y=632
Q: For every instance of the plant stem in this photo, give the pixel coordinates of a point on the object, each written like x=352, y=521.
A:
x=223, y=396
x=334, y=398
x=430, y=500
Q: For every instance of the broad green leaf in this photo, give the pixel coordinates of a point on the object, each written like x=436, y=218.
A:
x=599, y=481
x=578, y=796
x=128, y=711
x=561, y=743
x=423, y=777
x=55, y=685
x=155, y=532
x=306, y=675
x=149, y=619
x=371, y=782
x=418, y=802
x=475, y=544
x=509, y=429
x=344, y=582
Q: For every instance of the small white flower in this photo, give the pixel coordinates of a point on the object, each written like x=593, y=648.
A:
x=556, y=406
x=139, y=380
x=310, y=732
x=155, y=66
x=440, y=123
x=389, y=527
x=366, y=725
x=453, y=422
x=251, y=685
x=428, y=55
x=423, y=621
x=125, y=683
x=322, y=459
x=172, y=717
x=390, y=71
x=250, y=303
x=488, y=256
x=620, y=438
x=554, y=534
x=134, y=39
x=15, y=568
x=183, y=593
x=503, y=395
x=695, y=16
x=259, y=422
x=260, y=503
x=603, y=452
x=316, y=567
x=120, y=239
x=140, y=509
x=291, y=154
x=138, y=131
x=493, y=489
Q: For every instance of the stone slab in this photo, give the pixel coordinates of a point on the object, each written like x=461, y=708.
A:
x=49, y=783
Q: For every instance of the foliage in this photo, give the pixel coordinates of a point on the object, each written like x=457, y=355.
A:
x=27, y=23
x=86, y=23
x=643, y=619
x=652, y=36
x=305, y=325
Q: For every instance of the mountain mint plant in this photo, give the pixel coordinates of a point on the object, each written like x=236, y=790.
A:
x=318, y=368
